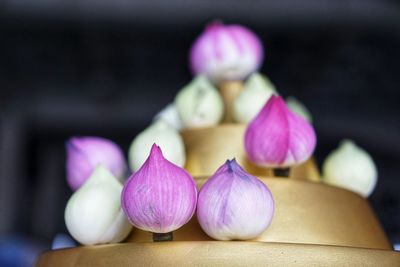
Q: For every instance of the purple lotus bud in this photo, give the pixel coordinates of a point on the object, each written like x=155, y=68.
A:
x=85, y=153
x=160, y=197
x=277, y=137
x=226, y=52
x=234, y=205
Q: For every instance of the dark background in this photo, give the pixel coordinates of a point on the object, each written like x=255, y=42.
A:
x=106, y=67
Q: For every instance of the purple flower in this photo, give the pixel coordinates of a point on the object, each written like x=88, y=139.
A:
x=277, y=137
x=85, y=153
x=160, y=197
x=234, y=205
x=226, y=52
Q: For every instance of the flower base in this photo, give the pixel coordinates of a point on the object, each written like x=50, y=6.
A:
x=161, y=237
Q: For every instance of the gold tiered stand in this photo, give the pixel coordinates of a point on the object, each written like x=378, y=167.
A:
x=314, y=224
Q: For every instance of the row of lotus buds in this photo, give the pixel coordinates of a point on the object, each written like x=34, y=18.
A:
x=161, y=197
x=276, y=137
x=199, y=104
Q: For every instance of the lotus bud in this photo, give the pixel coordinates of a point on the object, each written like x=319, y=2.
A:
x=226, y=52
x=352, y=168
x=85, y=153
x=277, y=137
x=234, y=205
x=166, y=136
x=160, y=197
x=171, y=116
x=257, y=90
x=93, y=214
x=297, y=107
x=199, y=104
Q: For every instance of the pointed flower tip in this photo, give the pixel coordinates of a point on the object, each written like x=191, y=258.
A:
x=231, y=163
x=79, y=139
x=84, y=143
x=72, y=142
x=100, y=174
x=277, y=101
x=156, y=151
x=100, y=168
x=216, y=23
x=231, y=166
x=274, y=101
x=69, y=144
x=155, y=155
x=274, y=97
x=155, y=147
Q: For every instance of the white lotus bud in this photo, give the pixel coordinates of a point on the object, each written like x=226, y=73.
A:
x=170, y=115
x=234, y=205
x=350, y=167
x=257, y=90
x=199, y=104
x=93, y=214
x=165, y=136
x=297, y=107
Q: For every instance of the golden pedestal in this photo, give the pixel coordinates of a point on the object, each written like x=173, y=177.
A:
x=314, y=224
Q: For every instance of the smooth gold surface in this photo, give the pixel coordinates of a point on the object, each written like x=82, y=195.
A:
x=305, y=212
x=208, y=148
x=214, y=253
x=229, y=90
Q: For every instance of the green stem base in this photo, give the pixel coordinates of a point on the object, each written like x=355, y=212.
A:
x=281, y=172
x=161, y=237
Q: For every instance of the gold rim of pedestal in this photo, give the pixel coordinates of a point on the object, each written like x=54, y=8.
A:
x=218, y=253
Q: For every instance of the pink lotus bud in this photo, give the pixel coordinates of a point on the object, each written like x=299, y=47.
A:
x=234, y=205
x=85, y=153
x=226, y=52
x=160, y=197
x=277, y=137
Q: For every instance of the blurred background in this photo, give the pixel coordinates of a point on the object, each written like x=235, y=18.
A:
x=107, y=67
